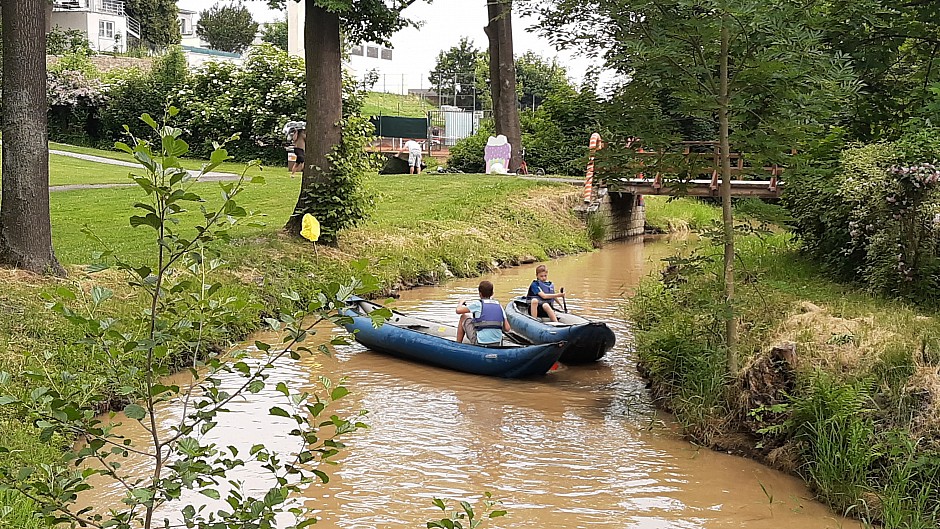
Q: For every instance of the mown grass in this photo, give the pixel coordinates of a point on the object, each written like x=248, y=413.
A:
x=64, y=170
x=192, y=164
x=858, y=420
x=383, y=104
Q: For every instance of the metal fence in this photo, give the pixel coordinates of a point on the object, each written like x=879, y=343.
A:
x=449, y=125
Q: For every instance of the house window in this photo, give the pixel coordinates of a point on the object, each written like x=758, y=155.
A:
x=106, y=29
x=185, y=27
x=356, y=50
x=372, y=51
x=386, y=54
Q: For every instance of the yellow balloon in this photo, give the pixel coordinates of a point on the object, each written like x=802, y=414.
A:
x=310, y=229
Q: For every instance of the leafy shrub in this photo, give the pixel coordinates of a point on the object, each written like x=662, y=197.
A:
x=556, y=135
x=876, y=217
x=74, y=103
x=339, y=201
x=834, y=428
x=61, y=41
x=467, y=154
x=134, y=92
x=76, y=62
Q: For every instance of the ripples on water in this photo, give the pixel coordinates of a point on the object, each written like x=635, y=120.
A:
x=581, y=447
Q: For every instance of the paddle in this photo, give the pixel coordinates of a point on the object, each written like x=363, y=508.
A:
x=564, y=304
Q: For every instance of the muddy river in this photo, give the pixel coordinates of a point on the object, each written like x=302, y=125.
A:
x=580, y=448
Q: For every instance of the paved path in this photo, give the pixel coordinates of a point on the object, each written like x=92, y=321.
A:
x=208, y=177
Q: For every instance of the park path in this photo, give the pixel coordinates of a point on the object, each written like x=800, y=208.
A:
x=208, y=177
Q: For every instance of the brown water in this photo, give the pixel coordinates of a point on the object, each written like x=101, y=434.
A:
x=580, y=448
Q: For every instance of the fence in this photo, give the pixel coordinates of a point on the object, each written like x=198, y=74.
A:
x=451, y=124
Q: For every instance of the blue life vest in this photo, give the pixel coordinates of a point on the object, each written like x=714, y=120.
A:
x=541, y=286
x=491, y=315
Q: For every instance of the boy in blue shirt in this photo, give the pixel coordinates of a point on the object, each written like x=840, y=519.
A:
x=542, y=295
x=482, y=320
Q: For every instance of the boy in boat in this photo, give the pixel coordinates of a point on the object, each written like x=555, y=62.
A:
x=542, y=295
x=482, y=320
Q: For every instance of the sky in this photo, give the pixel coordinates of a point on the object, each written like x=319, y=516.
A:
x=445, y=22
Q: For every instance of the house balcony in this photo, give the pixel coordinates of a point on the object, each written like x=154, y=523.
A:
x=106, y=7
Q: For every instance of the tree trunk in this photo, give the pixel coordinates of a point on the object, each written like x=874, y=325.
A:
x=727, y=216
x=25, y=227
x=324, y=102
x=503, y=77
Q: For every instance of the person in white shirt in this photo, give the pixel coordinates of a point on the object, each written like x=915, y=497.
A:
x=414, y=155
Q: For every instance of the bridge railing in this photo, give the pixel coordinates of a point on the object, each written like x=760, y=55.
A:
x=689, y=161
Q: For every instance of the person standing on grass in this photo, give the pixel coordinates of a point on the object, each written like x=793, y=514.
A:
x=482, y=320
x=415, y=153
x=298, y=145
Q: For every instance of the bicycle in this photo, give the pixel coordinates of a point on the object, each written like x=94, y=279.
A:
x=524, y=168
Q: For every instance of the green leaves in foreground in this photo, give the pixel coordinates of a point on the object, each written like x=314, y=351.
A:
x=466, y=518
x=179, y=310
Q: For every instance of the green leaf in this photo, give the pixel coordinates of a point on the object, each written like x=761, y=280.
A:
x=338, y=393
x=135, y=411
x=65, y=293
x=99, y=294
x=211, y=493
x=148, y=220
x=149, y=121
x=6, y=399
x=278, y=412
x=497, y=514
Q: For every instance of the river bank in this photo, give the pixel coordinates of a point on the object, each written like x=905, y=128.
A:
x=462, y=225
x=837, y=386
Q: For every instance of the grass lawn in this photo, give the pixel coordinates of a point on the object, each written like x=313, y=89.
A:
x=380, y=103
x=444, y=199
x=188, y=163
x=64, y=170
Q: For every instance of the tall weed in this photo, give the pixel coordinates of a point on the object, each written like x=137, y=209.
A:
x=834, y=428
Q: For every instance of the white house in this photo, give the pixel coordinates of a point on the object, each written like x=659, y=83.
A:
x=187, y=20
x=365, y=59
x=105, y=22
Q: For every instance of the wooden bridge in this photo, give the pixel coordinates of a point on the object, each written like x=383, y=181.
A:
x=616, y=192
x=637, y=180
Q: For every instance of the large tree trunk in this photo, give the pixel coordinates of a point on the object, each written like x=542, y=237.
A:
x=503, y=77
x=727, y=216
x=25, y=228
x=324, y=101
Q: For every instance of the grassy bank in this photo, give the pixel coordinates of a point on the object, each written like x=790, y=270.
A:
x=384, y=104
x=422, y=229
x=837, y=386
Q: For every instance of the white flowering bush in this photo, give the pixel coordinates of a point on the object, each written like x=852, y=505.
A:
x=74, y=103
x=894, y=224
x=256, y=98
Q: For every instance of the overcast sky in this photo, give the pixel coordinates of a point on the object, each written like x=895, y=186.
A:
x=446, y=21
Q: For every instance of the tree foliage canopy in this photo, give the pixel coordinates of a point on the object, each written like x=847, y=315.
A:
x=455, y=73
x=276, y=34
x=363, y=20
x=784, y=81
x=228, y=27
x=158, y=21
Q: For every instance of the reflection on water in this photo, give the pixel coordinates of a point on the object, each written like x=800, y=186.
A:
x=582, y=447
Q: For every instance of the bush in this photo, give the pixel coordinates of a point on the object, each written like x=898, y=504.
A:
x=61, y=41
x=134, y=92
x=875, y=217
x=467, y=154
x=74, y=103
